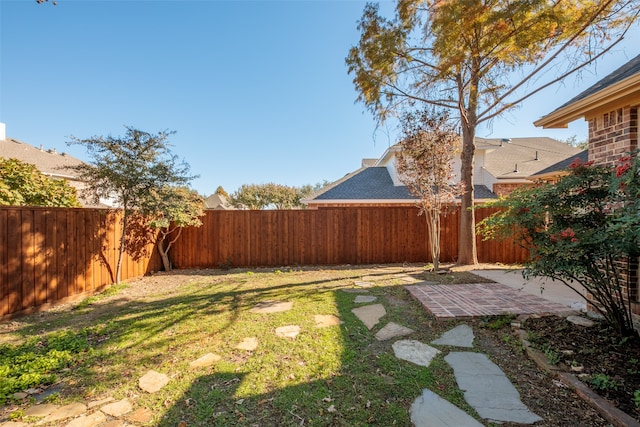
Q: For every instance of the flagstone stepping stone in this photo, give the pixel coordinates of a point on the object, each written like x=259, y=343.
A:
x=204, y=361
x=407, y=279
x=91, y=420
x=370, y=314
x=289, y=331
x=140, y=416
x=460, y=336
x=581, y=321
x=153, y=381
x=363, y=284
x=67, y=411
x=487, y=389
x=100, y=402
x=40, y=410
x=117, y=409
x=430, y=410
x=272, y=307
x=355, y=290
x=414, y=351
x=364, y=298
x=392, y=330
x=249, y=344
x=13, y=424
x=115, y=423
x=325, y=320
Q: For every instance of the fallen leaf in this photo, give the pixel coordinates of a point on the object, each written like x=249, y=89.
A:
x=331, y=409
x=327, y=399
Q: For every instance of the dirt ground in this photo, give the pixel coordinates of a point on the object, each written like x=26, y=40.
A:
x=604, y=361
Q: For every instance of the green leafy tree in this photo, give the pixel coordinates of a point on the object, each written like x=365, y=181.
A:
x=221, y=192
x=22, y=184
x=249, y=196
x=579, y=231
x=424, y=164
x=172, y=209
x=479, y=59
x=127, y=170
x=269, y=196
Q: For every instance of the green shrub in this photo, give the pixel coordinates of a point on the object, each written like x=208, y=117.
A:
x=577, y=230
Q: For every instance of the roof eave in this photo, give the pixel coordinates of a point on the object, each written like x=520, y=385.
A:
x=627, y=90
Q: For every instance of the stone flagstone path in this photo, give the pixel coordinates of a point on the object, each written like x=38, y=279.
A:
x=485, y=386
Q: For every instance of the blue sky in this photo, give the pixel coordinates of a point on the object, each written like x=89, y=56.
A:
x=257, y=91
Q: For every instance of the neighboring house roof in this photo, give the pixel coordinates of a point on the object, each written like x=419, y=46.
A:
x=506, y=160
x=560, y=168
x=620, y=87
x=49, y=162
x=519, y=158
x=218, y=201
x=374, y=185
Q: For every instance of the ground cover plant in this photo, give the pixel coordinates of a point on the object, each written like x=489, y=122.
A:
x=339, y=375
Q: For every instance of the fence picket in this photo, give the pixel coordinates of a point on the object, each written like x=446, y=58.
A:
x=52, y=254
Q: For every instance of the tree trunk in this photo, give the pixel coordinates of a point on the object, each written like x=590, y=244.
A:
x=164, y=250
x=467, y=251
x=123, y=236
x=164, y=255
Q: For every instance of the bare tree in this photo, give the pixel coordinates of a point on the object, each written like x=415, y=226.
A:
x=429, y=145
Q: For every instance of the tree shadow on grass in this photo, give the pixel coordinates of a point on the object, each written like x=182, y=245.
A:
x=338, y=375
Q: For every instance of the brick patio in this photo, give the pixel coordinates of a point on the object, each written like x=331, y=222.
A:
x=480, y=299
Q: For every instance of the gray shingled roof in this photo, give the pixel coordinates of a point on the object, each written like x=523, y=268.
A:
x=627, y=70
x=501, y=162
x=374, y=183
x=583, y=156
x=47, y=162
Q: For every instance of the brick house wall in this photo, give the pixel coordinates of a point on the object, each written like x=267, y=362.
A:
x=503, y=190
x=612, y=135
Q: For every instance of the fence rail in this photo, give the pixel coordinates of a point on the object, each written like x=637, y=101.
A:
x=53, y=254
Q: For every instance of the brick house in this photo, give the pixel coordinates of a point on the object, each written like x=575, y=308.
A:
x=611, y=108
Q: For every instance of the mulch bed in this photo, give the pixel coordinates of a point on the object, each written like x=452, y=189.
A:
x=610, y=364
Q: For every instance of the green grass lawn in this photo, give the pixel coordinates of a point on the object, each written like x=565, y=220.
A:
x=337, y=375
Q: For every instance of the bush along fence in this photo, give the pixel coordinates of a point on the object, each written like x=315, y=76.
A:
x=54, y=254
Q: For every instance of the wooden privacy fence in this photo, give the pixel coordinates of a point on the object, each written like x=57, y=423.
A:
x=366, y=235
x=53, y=254
x=49, y=255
